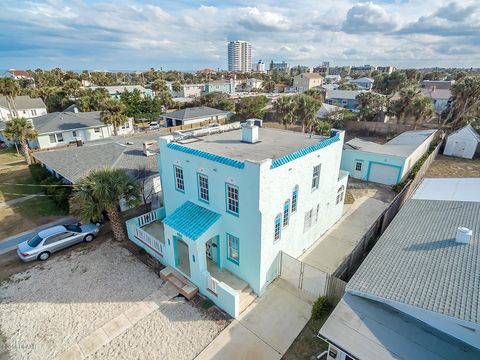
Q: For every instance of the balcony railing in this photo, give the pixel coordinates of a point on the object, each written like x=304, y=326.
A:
x=150, y=217
x=212, y=284
x=148, y=240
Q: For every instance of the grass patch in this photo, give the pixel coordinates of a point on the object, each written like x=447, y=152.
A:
x=9, y=155
x=38, y=206
x=18, y=175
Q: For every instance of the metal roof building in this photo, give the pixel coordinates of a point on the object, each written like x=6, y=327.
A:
x=417, y=294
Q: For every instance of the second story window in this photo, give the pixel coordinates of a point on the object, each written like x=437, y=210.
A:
x=232, y=199
x=179, y=181
x=286, y=213
x=316, y=177
x=340, y=194
x=203, y=187
x=277, y=227
x=294, y=199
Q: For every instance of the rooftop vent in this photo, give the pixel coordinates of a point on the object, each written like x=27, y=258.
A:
x=464, y=235
x=250, y=132
x=149, y=148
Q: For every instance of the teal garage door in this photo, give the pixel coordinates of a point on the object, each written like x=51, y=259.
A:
x=383, y=174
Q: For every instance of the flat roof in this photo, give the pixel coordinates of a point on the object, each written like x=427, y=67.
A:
x=449, y=189
x=273, y=144
x=372, y=330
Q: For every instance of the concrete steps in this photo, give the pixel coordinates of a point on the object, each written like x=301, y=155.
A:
x=180, y=282
x=247, y=296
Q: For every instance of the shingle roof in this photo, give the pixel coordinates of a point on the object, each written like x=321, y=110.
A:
x=437, y=94
x=417, y=261
x=469, y=128
x=191, y=220
x=194, y=112
x=67, y=120
x=24, y=102
x=76, y=162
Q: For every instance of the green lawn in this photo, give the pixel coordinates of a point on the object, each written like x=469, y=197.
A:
x=18, y=175
x=37, y=207
x=9, y=155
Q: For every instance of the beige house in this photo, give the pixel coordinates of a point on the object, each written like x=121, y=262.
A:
x=306, y=81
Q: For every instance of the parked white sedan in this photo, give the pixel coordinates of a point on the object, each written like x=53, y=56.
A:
x=56, y=238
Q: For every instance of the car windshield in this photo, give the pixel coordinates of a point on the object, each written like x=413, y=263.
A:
x=34, y=241
x=73, y=228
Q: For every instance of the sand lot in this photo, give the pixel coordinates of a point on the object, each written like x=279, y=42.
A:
x=105, y=295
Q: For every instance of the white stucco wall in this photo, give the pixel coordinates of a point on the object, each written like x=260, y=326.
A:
x=25, y=113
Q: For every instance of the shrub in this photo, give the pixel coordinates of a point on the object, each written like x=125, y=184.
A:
x=39, y=173
x=321, y=307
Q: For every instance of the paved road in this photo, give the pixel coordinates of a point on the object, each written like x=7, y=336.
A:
x=12, y=241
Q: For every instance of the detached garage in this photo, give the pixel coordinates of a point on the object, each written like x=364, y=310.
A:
x=385, y=163
x=463, y=143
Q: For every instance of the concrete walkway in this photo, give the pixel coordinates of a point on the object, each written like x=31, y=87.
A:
x=118, y=325
x=328, y=252
x=266, y=329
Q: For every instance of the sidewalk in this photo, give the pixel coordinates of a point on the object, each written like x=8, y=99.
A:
x=328, y=252
x=266, y=329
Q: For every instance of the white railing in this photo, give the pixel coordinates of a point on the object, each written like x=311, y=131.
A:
x=148, y=240
x=212, y=284
x=147, y=218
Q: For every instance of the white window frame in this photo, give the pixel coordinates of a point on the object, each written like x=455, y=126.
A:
x=179, y=178
x=316, y=176
x=277, y=228
x=232, y=199
x=233, y=247
x=286, y=213
x=308, y=220
x=295, y=199
x=203, y=192
x=57, y=138
x=340, y=194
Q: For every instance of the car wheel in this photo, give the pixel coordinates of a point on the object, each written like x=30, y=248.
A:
x=44, y=256
x=88, y=238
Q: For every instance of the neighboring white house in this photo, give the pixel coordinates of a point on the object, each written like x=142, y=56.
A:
x=17, y=74
x=189, y=91
x=115, y=91
x=26, y=106
x=463, y=143
x=194, y=115
x=248, y=84
x=416, y=295
x=234, y=200
x=387, y=163
x=60, y=128
x=327, y=109
x=306, y=81
x=363, y=83
x=332, y=79
x=440, y=97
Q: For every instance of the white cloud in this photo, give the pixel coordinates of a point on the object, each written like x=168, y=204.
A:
x=369, y=17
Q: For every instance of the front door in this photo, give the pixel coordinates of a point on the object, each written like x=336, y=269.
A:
x=182, y=257
x=212, y=250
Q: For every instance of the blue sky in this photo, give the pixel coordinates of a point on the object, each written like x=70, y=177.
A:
x=188, y=35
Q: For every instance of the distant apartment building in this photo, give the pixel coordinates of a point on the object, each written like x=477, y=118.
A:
x=25, y=107
x=260, y=67
x=307, y=81
x=279, y=66
x=116, y=91
x=362, y=69
x=239, y=56
x=386, y=69
x=339, y=70
x=224, y=86
x=17, y=74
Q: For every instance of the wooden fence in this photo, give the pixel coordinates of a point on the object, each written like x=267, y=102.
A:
x=348, y=267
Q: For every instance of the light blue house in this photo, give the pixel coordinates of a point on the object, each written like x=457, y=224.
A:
x=346, y=99
x=223, y=86
x=233, y=200
x=385, y=163
x=363, y=83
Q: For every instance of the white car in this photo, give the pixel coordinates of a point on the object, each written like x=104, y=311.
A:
x=154, y=125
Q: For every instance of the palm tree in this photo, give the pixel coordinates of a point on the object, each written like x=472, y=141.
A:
x=307, y=108
x=269, y=86
x=101, y=191
x=465, y=99
x=21, y=130
x=285, y=109
x=113, y=113
x=9, y=88
x=421, y=109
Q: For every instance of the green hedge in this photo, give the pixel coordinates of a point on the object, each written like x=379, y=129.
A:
x=59, y=194
x=321, y=307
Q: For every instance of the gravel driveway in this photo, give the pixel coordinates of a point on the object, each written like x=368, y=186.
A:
x=52, y=307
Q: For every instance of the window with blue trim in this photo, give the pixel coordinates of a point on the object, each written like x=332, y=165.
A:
x=232, y=199
x=316, y=177
x=294, y=199
x=203, y=187
x=277, y=227
x=179, y=181
x=233, y=247
x=286, y=213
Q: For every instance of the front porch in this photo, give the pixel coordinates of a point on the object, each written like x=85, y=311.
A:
x=189, y=261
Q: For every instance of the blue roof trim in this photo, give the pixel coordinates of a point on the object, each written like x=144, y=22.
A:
x=298, y=154
x=191, y=220
x=220, y=159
